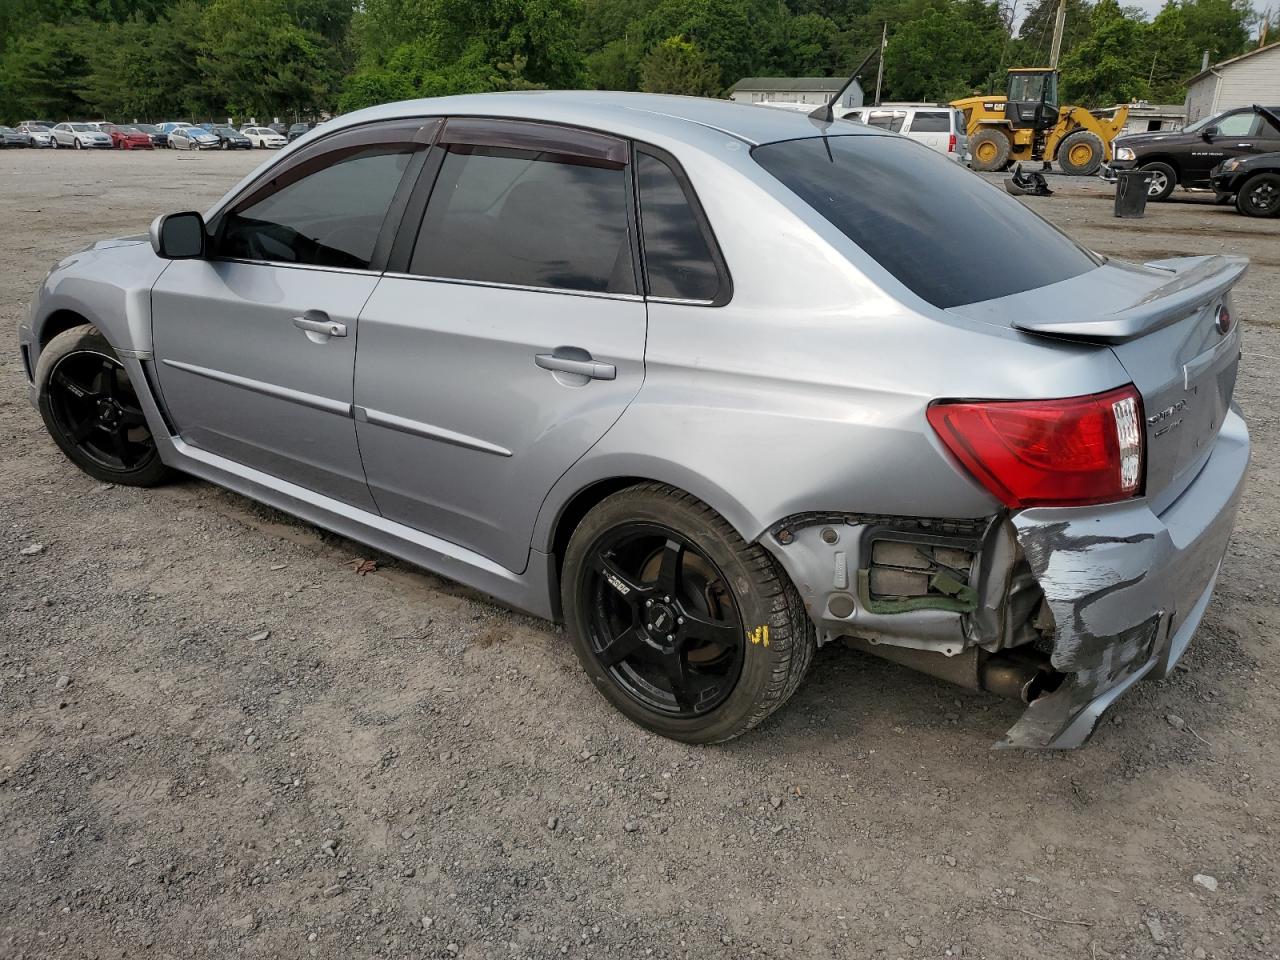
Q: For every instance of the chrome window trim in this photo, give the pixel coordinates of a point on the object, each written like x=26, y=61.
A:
x=681, y=302
x=564, y=291
x=296, y=266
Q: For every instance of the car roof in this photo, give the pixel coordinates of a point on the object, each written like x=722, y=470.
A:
x=637, y=115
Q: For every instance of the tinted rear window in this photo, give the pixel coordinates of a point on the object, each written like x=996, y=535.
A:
x=944, y=232
x=527, y=218
x=932, y=122
x=678, y=259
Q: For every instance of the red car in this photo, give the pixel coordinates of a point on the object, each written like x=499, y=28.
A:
x=128, y=138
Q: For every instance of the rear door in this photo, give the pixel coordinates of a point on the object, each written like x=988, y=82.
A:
x=508, y=334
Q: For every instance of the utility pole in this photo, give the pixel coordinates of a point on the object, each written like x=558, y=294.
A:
x=1058, y=24
x=884, y=42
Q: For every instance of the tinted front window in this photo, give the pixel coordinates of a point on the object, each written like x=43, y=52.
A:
x=944, y=232
x=329, y=217
x=677, y=259
x=527, y=218
x=931, y=122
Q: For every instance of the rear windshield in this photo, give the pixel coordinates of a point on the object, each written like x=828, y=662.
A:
x=945, y=233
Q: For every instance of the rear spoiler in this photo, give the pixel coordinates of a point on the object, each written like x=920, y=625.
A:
x=1190, y=289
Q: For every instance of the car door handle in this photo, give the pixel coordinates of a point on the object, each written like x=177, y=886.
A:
x=328, y=328
x=583, y=368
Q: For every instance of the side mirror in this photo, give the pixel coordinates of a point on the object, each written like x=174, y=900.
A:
x=1208, y=133
x=178, y=236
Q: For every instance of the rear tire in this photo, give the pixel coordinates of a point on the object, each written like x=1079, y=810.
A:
x=1164, y=180
x=91, y=410
x=989, y=149
x=1080, y=154
x=686, y=629
x=1260, y=196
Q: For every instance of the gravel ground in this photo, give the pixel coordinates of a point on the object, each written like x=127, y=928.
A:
x=218, y=738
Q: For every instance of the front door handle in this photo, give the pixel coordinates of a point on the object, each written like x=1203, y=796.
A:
x=323, y=326
x=586, y=367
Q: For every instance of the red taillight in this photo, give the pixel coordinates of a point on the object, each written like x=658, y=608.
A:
x=1048, y=453
x=951, y=144
x=1224, y=321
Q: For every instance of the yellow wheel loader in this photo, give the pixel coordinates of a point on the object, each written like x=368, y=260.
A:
x=1028, y=125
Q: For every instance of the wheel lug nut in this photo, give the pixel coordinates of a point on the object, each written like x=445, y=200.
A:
x=648, y=603
x=679, y=619
x=666, y=599
x=670, y=638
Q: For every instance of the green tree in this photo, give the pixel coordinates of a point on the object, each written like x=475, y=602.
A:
x=678, y=66
x=1108, y=67
x=258, y=61
x=1035, y=35
x=947, y=51
x=433, y=47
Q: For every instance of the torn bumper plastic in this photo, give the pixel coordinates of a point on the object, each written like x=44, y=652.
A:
x=1118, y=589
x=1126, y=588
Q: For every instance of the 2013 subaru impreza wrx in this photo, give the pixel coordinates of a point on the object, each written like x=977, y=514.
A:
x=711, y=384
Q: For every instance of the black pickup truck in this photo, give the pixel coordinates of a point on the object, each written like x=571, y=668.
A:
x=1185, y=157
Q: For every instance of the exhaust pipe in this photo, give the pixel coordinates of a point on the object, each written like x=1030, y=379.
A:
x=1019, y=674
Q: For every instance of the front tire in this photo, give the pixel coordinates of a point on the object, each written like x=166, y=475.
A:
x=91, y=410
x=1260, y=196
x=1164, y=178
x=686, y=629
x=79, y=145
x=1080, y=153
x=989, y=149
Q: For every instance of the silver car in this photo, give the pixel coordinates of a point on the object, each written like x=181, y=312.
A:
x=710, y=384
x=79, y=136
x=189, y=137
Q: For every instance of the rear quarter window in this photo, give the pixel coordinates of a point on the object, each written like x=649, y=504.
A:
x=932, y=121
x=942, y=231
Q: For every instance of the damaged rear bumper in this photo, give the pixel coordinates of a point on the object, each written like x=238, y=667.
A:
x=1127, y=589
x=1107, y=595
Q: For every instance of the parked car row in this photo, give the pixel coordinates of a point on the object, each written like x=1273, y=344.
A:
x=175, y=134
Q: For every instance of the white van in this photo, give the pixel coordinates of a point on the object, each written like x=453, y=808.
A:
x=939, y=127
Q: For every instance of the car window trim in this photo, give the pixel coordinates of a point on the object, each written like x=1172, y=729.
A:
x=417, y=133
x=725, y=293
x=571, y=144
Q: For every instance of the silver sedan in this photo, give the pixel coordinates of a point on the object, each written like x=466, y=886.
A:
x=712, y=385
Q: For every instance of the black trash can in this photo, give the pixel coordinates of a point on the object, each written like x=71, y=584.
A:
x=1131, y=192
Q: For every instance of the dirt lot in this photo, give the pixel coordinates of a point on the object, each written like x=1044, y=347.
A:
x=217, y=739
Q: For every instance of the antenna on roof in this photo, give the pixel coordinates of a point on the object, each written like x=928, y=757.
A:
x=826, y=112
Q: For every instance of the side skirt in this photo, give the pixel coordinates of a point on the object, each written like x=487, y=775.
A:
x=531, y=591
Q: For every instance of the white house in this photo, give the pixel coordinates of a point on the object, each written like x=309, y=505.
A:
x=1149, y=117
x=1242, y=81
x=814, y=90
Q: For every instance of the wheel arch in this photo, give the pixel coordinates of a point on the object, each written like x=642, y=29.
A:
x=60, y=321
x=579, y=491
x=1164, y=158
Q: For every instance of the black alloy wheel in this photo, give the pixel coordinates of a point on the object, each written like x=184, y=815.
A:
x=1260, y=196
x=685, y=628
x=96, y=409
x=662, y=620
x=92, y=412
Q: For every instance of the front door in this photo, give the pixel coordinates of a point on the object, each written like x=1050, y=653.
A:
x=1236, y=134
x=509, y=340
x=255, y=346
